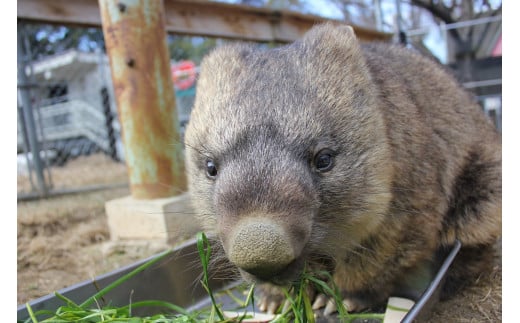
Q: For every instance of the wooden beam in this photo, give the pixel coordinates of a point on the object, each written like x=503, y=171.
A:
x=194, y=17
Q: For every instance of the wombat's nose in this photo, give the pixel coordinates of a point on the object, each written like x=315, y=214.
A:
x=260, y=247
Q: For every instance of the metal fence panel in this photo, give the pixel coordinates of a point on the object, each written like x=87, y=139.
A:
x=70, y=112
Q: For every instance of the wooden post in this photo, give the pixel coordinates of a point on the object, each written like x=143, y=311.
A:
x=135, y=39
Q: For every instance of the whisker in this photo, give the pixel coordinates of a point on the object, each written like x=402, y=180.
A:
x=200, y=152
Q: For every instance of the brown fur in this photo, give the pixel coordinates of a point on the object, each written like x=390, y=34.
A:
x=416, y=164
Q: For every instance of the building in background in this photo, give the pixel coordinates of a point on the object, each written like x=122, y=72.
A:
x=75, y=106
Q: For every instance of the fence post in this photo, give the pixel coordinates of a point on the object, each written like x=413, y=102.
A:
x=28, y=117
x=135, y=38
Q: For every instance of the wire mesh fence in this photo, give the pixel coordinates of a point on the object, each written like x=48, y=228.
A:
x=68, y=134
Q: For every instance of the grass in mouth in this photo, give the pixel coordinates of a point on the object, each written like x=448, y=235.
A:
x=89, y=311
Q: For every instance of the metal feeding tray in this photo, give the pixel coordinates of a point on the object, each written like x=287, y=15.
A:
x=176, y=279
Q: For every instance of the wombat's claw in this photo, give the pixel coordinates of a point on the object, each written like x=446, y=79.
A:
x=286, y=306
x=269, y=306
x=350, y=306
x=319, y=302
x=330, y=308
x=270, y=298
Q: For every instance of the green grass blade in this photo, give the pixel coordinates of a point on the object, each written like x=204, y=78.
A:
x=31, y=313
x=309, y=312
x=204, y=249
x=250, y=299
x=37, y=314
x=67, y=300
x=240, y=303
x=294, y=306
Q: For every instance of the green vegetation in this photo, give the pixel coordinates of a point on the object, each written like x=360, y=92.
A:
x=299, y=310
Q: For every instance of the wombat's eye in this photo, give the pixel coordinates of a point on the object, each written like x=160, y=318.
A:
x=324, y=160
x=211, y=169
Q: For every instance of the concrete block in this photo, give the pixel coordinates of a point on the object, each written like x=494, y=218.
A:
x=166, y=219
x=397, y=308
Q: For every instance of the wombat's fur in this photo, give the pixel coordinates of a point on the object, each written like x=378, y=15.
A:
x=364, y=160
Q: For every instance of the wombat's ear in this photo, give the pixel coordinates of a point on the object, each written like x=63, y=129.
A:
x=332, y=43
x=330, y=34
x=334, y=58
x=221, y=68
x=227, y=58
x=345, y=29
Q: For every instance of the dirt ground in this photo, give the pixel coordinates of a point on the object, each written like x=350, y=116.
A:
x=65, y=240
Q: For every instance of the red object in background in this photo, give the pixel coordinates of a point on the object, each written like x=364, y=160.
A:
x=184, y=74
x=497, y=50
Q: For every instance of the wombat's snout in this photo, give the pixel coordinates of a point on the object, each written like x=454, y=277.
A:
x=260, y=247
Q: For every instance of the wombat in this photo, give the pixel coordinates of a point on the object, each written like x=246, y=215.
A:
x=364, y=160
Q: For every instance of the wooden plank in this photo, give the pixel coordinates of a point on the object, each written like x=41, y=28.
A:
x=195, y=17
x=75, y=12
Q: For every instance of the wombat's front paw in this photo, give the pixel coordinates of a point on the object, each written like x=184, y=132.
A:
x=350, y=304
x=271, y=298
